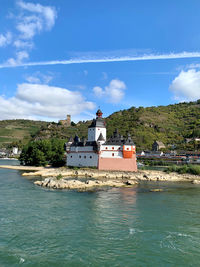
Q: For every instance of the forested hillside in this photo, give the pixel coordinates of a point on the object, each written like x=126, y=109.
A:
x=170, y=124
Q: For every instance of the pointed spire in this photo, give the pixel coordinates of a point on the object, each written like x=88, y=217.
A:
x=99, y=113
x=129, y=140
x=100, y=138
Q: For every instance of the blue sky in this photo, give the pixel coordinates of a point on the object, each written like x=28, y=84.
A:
x=69, y=57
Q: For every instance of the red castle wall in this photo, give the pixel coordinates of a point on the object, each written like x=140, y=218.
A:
x=118, y=164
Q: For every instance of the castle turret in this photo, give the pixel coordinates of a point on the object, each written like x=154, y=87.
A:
x=97, y=127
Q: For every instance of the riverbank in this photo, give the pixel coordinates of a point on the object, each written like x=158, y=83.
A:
x=64, y=178
x=22, y=168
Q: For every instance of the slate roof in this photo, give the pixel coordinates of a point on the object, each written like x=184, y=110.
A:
x=118, y=139
x=98, y=122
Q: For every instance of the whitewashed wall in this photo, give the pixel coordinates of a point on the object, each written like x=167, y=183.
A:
x=111, y=151
x=82, y=159
x=93, y=133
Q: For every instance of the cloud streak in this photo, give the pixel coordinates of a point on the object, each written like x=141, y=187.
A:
x=144, y=57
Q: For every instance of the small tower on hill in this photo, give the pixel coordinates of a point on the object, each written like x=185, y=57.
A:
x=68, y=120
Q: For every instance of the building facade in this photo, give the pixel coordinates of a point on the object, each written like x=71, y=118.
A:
x=157, y=145
x=117, y=153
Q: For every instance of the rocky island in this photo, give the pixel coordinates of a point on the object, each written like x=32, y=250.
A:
x=87, y=179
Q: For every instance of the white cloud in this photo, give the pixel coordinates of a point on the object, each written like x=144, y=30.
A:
x=43, y=101
x=20, y=56
x=31, y=19
x=5, y=39
x=113, y=93
x=47, y=14
x=39, y=77
x=193, y=66
x=98, y=91
x=186, y=86
x=36, y=18
x=33, y=79
x=23, y=44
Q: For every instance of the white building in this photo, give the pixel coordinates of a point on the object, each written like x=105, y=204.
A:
x=117, y=153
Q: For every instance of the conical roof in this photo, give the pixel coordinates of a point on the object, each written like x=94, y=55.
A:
x=100, y=138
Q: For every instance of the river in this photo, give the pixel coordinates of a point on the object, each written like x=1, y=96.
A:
x=114, y=227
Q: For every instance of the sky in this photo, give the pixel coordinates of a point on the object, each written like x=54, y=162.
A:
x=70, y=57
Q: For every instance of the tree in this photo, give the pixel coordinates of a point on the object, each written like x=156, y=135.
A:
x=73, y=124
x=57, y=153
x=42, y=152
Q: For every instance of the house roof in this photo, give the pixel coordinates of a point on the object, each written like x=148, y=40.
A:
x=159, y=143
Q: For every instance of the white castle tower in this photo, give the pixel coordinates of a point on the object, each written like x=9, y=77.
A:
x=97, y=129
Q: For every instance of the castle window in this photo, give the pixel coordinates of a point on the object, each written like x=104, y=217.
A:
x=127, y=148
x=71, y=156
x=113, y=154
x=106, y=148
x=84, y=157
x=79, y=157
x=113, y=147
x=90, y=157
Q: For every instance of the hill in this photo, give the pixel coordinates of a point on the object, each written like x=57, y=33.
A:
x=170, y=124
x=17, y=131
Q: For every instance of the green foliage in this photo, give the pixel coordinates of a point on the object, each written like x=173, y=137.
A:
x=42, y=152
x=59, y=176
x=73, y=124
x=31, y=155
x=14, y=131
x=191, y=169
x=57, y=153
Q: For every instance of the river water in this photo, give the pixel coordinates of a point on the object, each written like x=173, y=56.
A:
x=114, y=227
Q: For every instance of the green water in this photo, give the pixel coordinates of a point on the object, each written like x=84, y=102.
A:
x=116, y=227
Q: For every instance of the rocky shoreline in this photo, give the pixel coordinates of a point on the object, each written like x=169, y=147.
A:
x=76, y=184
x=86, y=179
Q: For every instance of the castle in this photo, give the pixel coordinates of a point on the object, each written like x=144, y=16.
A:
x=117, y=153
x=66, y=122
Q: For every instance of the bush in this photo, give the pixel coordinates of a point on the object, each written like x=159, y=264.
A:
x=59, y=176
x=191, y=169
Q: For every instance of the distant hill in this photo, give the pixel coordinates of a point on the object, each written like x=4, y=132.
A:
x=170, y=124
x=18, y=130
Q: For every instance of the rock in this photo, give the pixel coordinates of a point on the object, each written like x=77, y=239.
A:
x=156, y=190
x=52, y=184
x=38, y=183
x=145, y=176
x=46, y=181
x=129, y=182
x=196, y=182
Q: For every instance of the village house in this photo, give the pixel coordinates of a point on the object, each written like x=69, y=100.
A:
x=117, y=153
x=157, y=145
